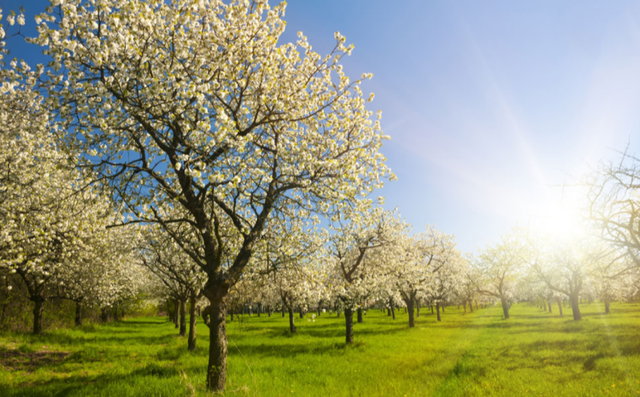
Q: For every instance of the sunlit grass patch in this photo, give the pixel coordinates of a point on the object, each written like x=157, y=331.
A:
x=479, y=354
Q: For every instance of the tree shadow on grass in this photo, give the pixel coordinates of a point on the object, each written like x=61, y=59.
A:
x=123, y=338
x=567, y=352
x=290, y=350
x=73, y=385
x=331, y=331
x=16, y=360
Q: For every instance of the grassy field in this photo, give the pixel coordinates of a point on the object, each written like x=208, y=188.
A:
x=533, y=353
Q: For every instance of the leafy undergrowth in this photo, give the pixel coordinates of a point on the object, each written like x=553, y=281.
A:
x=533, y=353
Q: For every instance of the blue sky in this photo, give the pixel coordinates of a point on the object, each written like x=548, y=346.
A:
x=491, y=105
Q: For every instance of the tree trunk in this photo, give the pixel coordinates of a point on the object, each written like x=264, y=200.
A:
x=183, y=317
x=607, y=304
x=393, y=313
x=412, y=321
x=360, y=320
x=177, y=318
x=464, y=305
x=575, y=307
x=217, y=367
x=78, y=313
x=301, y=311
x=292, y=326
x=438, y=311
x=282, y=311
x=388, y=311
x=37, y=315
x=104, y=315
x=470, y=306
x=559, y=306
x=191, y=344
x=505, y=308
x=431, y=309
x=443, y=306
x=114, y=312
x=544, y=304
x=259, y=309
x=348, y=316
x=171, y=314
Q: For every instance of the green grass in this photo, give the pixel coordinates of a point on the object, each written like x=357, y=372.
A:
x=533, y=353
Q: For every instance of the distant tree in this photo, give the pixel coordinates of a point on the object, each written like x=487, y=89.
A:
x=360, y=250
x=498, y=268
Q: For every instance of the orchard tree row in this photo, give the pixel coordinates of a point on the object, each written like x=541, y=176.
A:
x=181, y=151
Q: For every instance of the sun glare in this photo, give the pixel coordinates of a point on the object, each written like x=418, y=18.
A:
x=558, y=222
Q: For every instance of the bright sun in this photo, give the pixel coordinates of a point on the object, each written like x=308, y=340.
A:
x=559, y=221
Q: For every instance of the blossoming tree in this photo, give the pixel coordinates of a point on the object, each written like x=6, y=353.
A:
x=360, y=250
x=197, y=105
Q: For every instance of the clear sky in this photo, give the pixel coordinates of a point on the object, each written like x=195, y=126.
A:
x=491, y=105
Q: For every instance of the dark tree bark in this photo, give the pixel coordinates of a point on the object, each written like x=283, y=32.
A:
x=505, y=307
x=193, y=318
x=464, y=306
x=114, y=313
x=470, y=306
x=438, y=311
x=301, y=311
x=417, y=307
x=78, y=313
x=217, y=367
x=360, y=319
x=550, y=311
x=607, y=304
x=348, y=316
x=412, y=321
x=177, y=310
x=559, y=306
x=183, y=317
x=388, y=311
x=431, y=309
x=575, y=307
x=104, y=315
x=38, y=309
x=292, y=325
x=282, y=311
